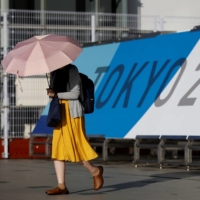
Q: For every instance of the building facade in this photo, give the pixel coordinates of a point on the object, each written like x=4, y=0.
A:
x=104, y=6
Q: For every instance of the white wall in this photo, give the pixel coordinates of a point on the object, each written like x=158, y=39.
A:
x=170, y=7
x=177, y=8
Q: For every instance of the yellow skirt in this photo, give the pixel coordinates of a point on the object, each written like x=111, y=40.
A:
x=69, y=139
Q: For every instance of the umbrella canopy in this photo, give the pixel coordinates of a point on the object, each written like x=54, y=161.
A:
x=41, y=54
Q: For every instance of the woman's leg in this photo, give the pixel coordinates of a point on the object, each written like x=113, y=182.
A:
x=60, y=173
x=91, y=168
x=97, y=173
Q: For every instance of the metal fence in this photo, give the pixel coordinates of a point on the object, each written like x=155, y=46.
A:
x=20, y=111
x=24, y=24
x=179, y=23
x=24, y=108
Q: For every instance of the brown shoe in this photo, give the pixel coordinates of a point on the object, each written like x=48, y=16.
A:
x=98, y=180
x=57, y=191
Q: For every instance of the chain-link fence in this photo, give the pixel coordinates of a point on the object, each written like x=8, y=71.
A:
x=24, y=108
x=25, y=24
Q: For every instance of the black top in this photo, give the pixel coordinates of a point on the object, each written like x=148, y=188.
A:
x=59, y=79
x=65, y=79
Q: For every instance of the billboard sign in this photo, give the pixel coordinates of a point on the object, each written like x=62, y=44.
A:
x=147, y=86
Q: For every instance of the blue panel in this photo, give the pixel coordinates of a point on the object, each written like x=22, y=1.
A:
x=121, y=101
x=174, y=137
x=46, y=109
x=41, y=127
x=116, y=113
x=147, y=136
x=90, y=59
x=95, y=56
x=193, y=137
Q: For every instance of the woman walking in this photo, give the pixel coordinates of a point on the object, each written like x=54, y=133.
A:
x=69, y=137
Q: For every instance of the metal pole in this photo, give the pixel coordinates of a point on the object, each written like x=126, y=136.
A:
x=124, y=17
x=155, y=24
x=96, y=6
x=93, y=28
x=5, y=87
x=43, y=16
x=4, y=5
x=97, y=3
x=161, y=24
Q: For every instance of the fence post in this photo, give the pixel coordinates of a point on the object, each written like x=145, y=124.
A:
x=97, y=33
x=155, y=24
x=43, y=15
x=93, y=28
x=161, y=22
x=5, y=87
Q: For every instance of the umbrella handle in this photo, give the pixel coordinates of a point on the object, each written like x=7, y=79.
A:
x=47, y=80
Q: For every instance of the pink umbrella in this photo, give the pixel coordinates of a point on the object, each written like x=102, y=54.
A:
x=41, y=54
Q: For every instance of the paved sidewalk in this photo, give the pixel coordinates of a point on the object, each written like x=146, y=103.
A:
x=28, y=180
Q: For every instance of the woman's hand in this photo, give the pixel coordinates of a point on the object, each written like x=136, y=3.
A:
x=50, y=92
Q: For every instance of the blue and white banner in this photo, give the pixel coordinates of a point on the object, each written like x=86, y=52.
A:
x=145, y=87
